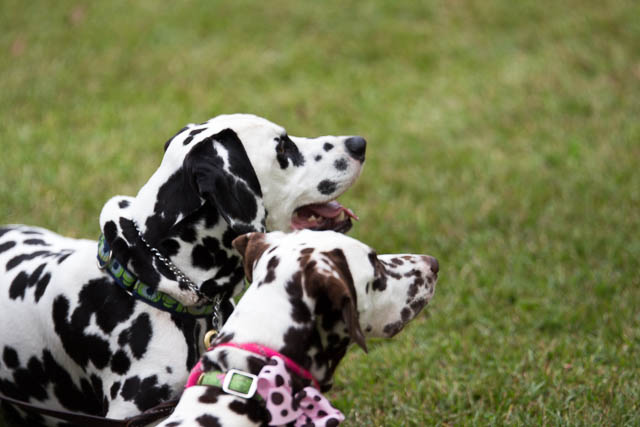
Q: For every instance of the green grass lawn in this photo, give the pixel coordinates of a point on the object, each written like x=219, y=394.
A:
x=504, y=139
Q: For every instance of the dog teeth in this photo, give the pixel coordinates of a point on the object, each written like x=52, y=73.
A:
x=341, y=216
x=313, y=218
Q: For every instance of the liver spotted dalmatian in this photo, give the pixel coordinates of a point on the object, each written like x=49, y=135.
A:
x=313, y=294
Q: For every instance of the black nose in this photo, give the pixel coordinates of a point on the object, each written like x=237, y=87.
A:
x=356, y=146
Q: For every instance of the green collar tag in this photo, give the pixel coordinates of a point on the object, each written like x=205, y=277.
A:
x=235, y=382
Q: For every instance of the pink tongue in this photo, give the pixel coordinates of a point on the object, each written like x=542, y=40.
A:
x=330, y=210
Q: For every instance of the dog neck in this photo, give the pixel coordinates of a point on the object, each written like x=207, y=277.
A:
x=309, y=344
x=197, y=247
x=252, y=358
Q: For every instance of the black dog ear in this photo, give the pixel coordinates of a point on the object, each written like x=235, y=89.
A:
x=221, y=173
x=251, y=246
x=339, y=291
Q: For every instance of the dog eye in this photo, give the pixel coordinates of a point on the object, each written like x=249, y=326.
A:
x=284, y=144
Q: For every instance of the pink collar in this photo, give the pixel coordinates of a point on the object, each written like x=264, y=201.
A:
x=259, y=350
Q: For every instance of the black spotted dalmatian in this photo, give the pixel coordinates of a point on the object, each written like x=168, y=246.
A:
x=116, y=337
x=313, y=294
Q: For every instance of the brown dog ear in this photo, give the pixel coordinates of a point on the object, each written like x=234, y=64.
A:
x=251, y=246
x=339, y=290
x=350, y=316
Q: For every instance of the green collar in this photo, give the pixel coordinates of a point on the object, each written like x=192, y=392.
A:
x=139, y=290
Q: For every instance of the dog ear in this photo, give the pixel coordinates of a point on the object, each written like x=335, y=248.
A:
x=339, y=290
x=221, y=173
x=251, y=246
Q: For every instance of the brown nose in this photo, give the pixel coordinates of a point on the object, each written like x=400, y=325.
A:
x=433, y=263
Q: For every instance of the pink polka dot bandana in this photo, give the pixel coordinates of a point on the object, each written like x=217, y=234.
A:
x=308, y=407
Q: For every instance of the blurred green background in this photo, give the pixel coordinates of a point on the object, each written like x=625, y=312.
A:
x=504, y=139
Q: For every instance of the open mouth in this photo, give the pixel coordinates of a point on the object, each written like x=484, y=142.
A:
x=323, y=216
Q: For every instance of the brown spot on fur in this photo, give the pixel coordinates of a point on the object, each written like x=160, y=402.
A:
x=393, y=328
x=380, y=273
x=210, y=395
x=271, y=267
x=340, y=291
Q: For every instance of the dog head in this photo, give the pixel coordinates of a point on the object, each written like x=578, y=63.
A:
x=314, y=293
x=257, y=176
x=300, y=177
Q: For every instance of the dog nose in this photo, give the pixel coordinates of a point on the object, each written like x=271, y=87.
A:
x=433, y=263
x=356, y=146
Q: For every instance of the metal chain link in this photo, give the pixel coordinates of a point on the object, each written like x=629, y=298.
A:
x=178, y=273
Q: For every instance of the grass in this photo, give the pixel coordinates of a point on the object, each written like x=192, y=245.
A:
x=503, y=139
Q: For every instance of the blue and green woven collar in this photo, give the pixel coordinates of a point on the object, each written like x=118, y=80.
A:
x=139, y=290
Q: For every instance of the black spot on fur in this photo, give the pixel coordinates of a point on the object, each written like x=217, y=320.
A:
x=223, y=337
x=110, y=231
x=36, y=242
x=28, y=382
x=318, y=158
x=287, y=151
x=5, y=230
x=327, y=187
x=120, y=363
x=227, y=238
x=79, y=346
x=176, y=197
x=207, y=420
x=193, y=133
x=6, y=246
x=201, y=257
x=169, y=247
x=10, y=357
x=123, y=204
x=17, y=260
x=145, y=393
x=29, y=232
x=166, y=144
x=114, y=389
x=341, y=164
x=88, y=398
x=23, y=281
x=100, y=300
x=137, y=336
x=327, y=146
x=191, y=329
